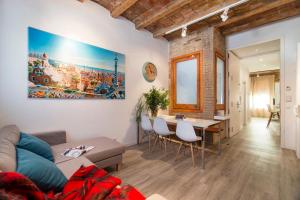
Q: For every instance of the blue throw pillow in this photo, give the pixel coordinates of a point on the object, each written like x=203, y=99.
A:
x=35, y=145
x=41, y=171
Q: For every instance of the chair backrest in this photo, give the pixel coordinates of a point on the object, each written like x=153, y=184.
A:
x=146, y=123
x=269, y=108
x=185, y=131
x=160, y=126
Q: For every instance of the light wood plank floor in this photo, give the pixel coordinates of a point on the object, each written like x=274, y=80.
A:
x=252, y=166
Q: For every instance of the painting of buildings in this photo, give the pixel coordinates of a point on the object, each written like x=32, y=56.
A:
x=62, y=68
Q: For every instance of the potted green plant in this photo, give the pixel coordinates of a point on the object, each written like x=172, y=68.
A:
x=139, y=109
x=156, y=99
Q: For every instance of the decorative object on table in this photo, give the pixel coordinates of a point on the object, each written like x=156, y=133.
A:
x=62, y=68
x=149, y=71
x=156, y=99
x=179, y=116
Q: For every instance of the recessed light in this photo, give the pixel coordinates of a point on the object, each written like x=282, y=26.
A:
x=224, y=15
x=183, y=32
x=260, y=60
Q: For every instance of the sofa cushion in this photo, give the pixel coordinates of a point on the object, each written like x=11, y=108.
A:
x=35, y=145
x=41, y=171
x=69, y=167
x=10, y=133
x=7, y=156
x=104, y=148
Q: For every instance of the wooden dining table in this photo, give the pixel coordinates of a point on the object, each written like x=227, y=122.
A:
x=197, y=123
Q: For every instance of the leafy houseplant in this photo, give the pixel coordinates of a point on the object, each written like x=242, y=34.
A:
x=139, y=109
x=156, y=99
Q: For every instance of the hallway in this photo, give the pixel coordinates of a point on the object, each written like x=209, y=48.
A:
x=252, y=166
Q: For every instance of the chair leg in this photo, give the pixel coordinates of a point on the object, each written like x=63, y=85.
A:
x=271, y=116
x=219, y=145
x=178, y=151
x=155, y=141
x=192, y=152
x=278, y=115
x=118, y=167
x=165, y=139
x=160, y=142
x=143, y=136
x=149, y=142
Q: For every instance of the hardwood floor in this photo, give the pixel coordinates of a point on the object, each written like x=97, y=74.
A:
x=252, y=166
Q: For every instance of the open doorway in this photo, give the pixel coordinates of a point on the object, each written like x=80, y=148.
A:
x=254, y=86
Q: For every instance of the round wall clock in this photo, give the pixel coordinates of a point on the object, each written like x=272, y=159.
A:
x=149, y=71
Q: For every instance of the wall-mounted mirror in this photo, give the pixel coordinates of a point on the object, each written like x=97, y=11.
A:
x=185, y=83
x=220, y=81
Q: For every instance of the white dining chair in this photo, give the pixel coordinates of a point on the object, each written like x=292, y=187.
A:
x=185, y=131
x=161, y=128
x=273, y=113
x=147, y=128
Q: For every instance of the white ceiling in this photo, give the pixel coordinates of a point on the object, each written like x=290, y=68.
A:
x=260, y=57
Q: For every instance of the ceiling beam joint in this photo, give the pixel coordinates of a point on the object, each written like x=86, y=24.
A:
x=122, y=7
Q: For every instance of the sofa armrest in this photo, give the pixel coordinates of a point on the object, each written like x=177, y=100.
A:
x=53, y=137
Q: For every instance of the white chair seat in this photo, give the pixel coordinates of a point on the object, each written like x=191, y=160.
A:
x=185, y=131
x=168, y=133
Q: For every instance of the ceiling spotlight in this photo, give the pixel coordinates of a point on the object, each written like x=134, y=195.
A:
x=183, y=32
x=257, y=75
x=224, y=15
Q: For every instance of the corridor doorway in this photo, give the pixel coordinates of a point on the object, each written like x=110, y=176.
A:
x=254, y=86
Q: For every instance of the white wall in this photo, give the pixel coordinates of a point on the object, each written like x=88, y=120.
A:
x=298, y=104
x=86, y=22
x=289, y=33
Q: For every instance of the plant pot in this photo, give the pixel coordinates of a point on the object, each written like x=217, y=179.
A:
x=154, y=113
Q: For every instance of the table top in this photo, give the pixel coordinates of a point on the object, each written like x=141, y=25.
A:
x=222, y=118
x=200, y=123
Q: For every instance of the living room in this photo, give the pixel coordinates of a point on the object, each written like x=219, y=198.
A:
x=147, y=42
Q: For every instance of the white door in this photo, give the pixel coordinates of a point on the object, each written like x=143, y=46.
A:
x=298, y=106
x=234, y=93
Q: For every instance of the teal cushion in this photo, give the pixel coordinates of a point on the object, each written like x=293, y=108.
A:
x=35, y=145
x=41, y=171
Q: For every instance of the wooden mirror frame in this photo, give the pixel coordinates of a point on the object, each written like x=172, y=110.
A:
x=182, y=108
x=220, y=106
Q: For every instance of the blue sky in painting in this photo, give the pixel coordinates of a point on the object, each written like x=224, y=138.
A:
x=71, y=51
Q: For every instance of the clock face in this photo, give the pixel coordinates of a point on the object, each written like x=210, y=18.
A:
x=149, y=71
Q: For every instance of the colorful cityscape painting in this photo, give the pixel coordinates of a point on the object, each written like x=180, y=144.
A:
x=63, y=68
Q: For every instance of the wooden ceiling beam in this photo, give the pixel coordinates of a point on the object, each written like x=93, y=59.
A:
x=204, y=11
x=267, y=7
x=283, y=14
x=154, y=15
x=122, y=7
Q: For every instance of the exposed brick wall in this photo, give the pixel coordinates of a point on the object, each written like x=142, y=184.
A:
x=205, y=40
x=219, y=42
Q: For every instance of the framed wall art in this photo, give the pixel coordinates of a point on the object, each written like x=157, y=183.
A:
x=62, y=68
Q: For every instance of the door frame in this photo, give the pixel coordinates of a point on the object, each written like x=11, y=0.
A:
x=282, y=81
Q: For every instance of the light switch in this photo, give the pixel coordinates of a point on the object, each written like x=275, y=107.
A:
x=288, y=99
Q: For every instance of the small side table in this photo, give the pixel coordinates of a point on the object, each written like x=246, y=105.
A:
x=225, y=119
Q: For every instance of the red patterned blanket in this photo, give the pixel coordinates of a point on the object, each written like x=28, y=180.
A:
x=87, y=183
